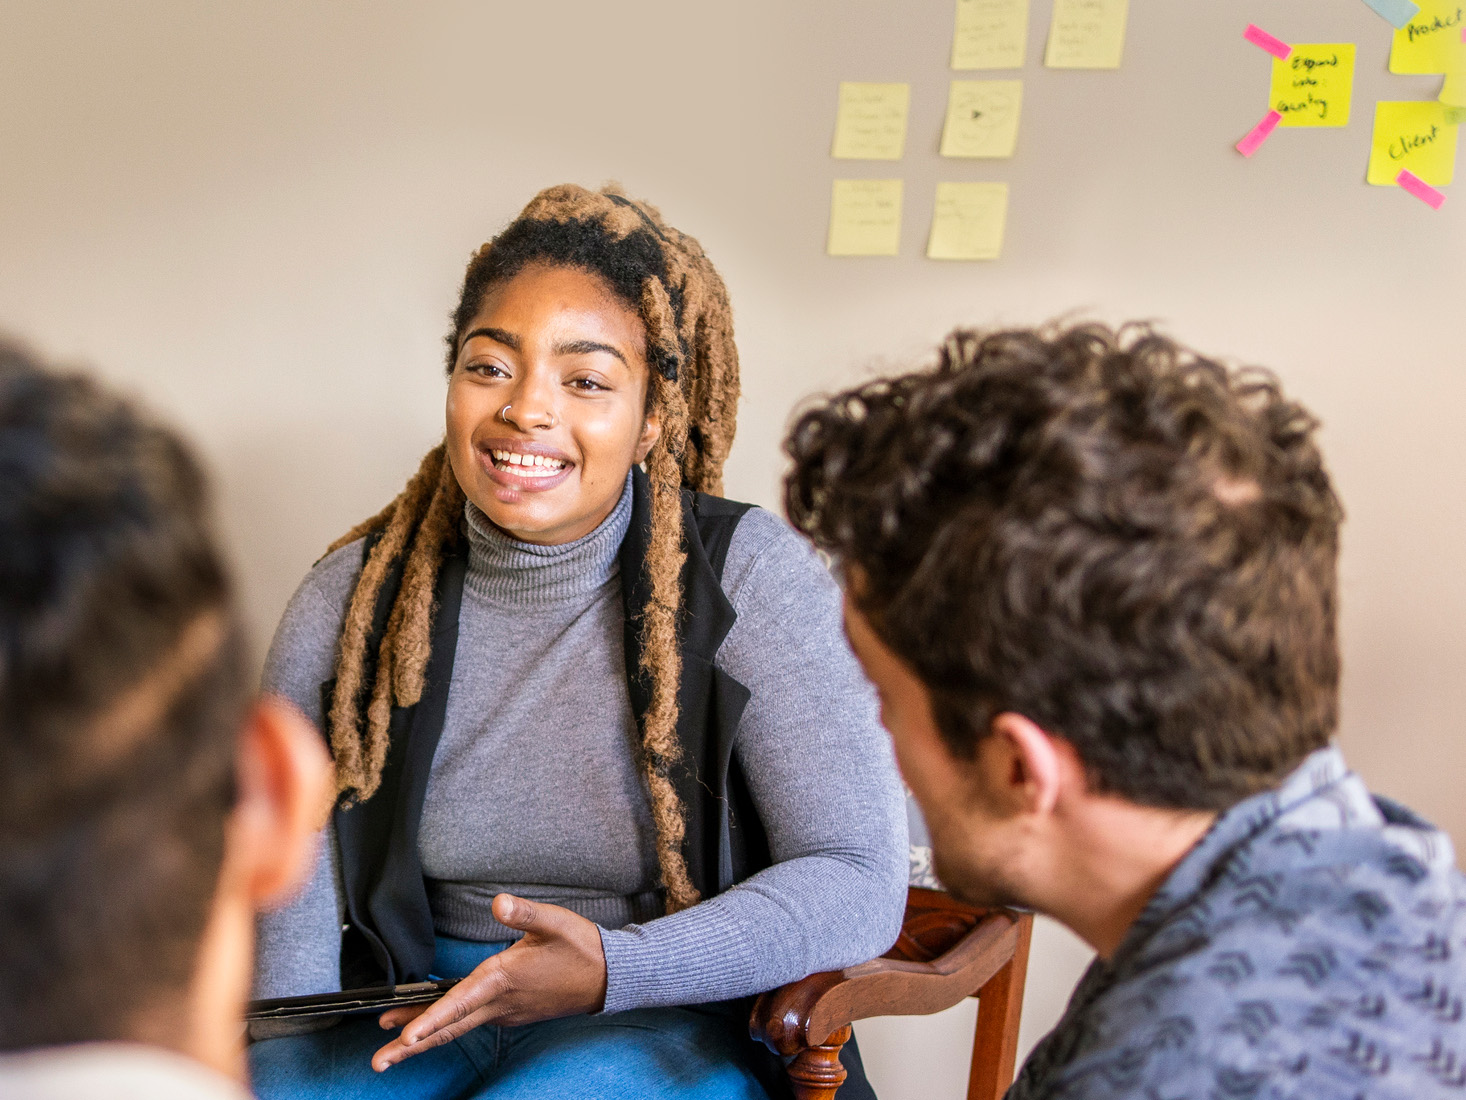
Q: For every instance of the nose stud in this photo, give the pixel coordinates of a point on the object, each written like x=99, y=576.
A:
x=504, y=414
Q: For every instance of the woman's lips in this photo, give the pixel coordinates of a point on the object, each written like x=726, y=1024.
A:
x=531, y=483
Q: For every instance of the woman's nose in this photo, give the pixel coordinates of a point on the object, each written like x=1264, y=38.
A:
x=532, y=407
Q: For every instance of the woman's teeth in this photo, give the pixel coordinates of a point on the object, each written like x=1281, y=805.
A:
x=527, y=465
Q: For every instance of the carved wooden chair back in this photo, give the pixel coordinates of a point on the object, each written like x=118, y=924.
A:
x=947, y=951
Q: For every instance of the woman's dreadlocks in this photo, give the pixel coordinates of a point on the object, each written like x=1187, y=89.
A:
x=664, y=275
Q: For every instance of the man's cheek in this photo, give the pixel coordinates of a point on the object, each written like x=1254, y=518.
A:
x=912, y=764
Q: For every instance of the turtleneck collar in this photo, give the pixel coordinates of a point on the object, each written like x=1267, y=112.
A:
x=505, y=571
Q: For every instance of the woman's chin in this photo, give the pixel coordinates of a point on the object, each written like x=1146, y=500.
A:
x=544, y=510
x=528, y=519
x=528, y=508
x=518, y=517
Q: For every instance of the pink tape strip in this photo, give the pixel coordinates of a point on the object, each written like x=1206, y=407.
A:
x=1259, y=37
x=1420, y=189
x=1248, y=145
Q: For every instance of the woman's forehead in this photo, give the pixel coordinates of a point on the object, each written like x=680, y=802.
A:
x=554, y=302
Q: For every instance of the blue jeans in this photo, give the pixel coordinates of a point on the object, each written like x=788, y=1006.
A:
x=650, y=1052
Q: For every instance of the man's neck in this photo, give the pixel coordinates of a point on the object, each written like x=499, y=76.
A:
x=215, y=1035
x=1116, y=856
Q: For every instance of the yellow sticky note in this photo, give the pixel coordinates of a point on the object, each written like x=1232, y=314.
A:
x=1453, y=91
x=982, y=118
x=1453, y=88
x=991, y=34
x=865, y=218
x=1087, y=34
x=1431, y=42
x=871, y=124
x=1417, y=135
x=968, y=221
x=1313, y=85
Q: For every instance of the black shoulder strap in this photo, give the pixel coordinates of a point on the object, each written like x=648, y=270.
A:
x=716, y=521
x=708, y=524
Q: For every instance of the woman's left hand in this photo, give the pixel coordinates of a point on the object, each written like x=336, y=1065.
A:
x=557, y=969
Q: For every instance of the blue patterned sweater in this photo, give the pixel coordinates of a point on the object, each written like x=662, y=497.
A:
x=1311, y=945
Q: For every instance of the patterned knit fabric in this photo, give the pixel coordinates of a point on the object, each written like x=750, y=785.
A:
x=1311, y=945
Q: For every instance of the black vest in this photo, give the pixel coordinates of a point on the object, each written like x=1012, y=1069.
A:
x=389, y=933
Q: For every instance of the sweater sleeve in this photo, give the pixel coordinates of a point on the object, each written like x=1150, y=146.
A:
x=298, y=949
x=821, y=772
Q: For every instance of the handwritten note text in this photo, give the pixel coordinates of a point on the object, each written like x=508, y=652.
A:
x=865, y=218
x=1314, y=85
x=1087, y=34
x=871, y=124
x=990, y=34
x=1415, y=135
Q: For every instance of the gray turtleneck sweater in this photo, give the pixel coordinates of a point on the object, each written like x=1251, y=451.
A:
x=534, y=788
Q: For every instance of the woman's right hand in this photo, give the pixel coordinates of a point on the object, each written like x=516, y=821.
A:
x=557, y=969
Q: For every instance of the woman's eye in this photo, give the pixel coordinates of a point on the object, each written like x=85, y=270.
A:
x=488, y=370
x=588, y=385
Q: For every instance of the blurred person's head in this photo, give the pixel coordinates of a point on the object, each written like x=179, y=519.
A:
x=147, y=805
x=1093, y=577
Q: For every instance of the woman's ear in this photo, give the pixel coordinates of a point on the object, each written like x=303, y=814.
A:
x=651, y=431
x=284, y=778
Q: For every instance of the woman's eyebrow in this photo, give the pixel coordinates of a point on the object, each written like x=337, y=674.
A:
x=499, y=335
x=586, y=347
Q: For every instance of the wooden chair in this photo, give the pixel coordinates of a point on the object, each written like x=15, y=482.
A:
x=947, y=951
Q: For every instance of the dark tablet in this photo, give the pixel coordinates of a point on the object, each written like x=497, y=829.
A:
x=375, y=999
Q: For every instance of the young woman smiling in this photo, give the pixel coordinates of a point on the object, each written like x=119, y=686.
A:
x=601, y=749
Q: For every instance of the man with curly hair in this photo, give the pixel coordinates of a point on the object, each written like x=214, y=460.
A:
x=1093, y=576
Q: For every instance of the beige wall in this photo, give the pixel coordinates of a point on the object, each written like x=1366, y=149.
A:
x=256, y=215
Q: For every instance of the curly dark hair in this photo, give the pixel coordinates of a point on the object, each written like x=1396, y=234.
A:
x=124, y=678
x=1128, y=543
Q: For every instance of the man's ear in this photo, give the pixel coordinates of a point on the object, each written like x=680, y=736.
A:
x=283, y=785
x=1024, y=763
x=651, y=431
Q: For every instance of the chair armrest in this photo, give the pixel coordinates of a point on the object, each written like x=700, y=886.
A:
x=946, y=951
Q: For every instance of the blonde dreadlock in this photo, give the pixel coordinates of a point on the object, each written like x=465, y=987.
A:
x=693, y=389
